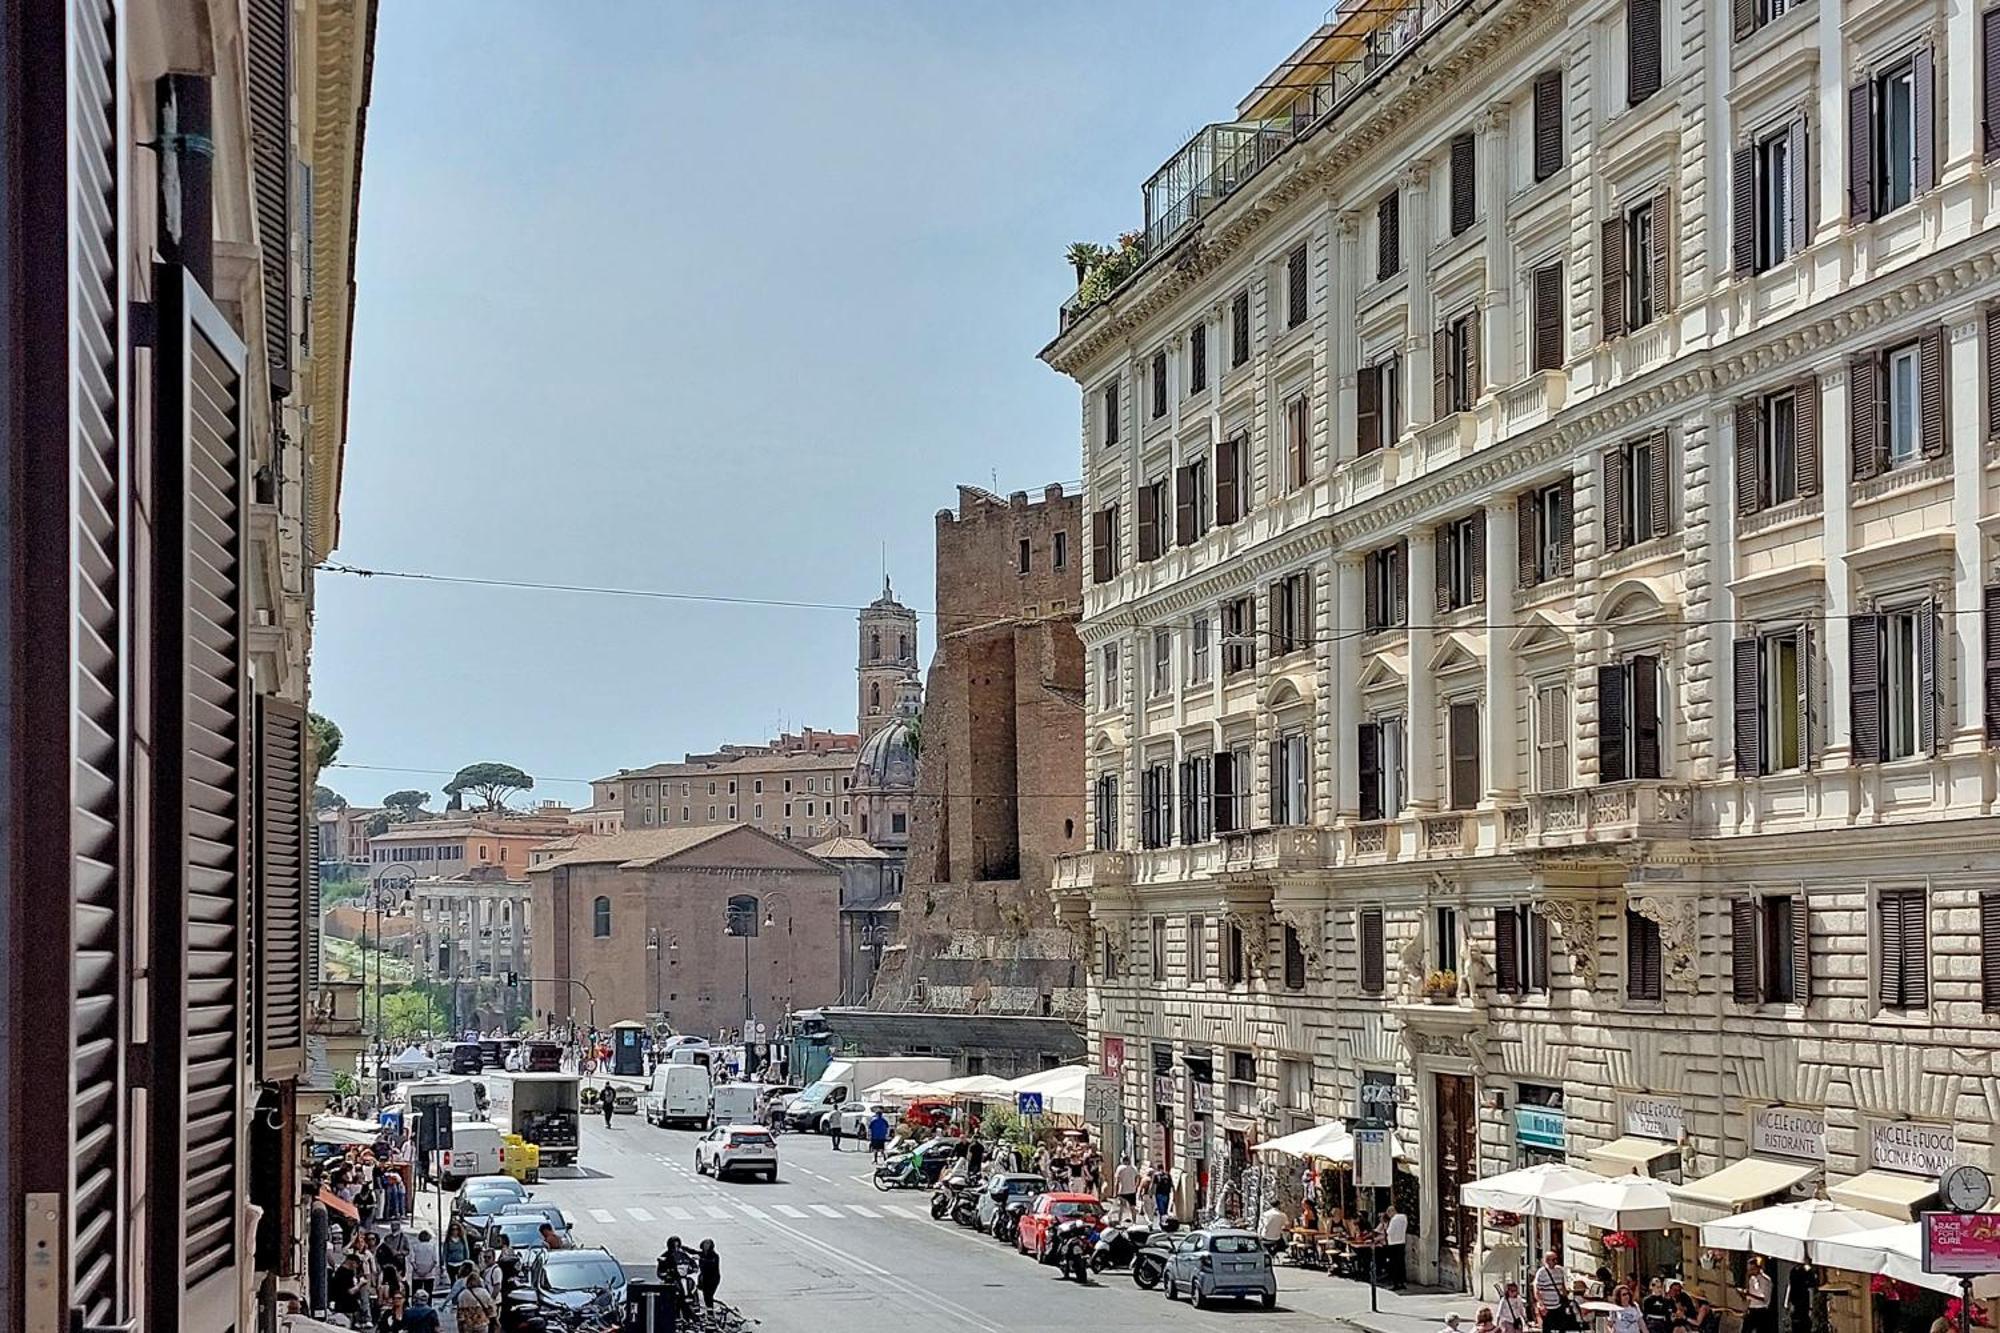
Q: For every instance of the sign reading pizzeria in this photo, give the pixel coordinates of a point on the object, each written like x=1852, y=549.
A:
x=1921, y=1150
x=1787, y=1131
x=1655, y=1118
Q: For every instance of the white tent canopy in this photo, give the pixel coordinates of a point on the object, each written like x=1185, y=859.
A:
x=1061, y=1089
x=1895, y=1251
x=412, y=1058
x=1783, y=1231
x=342, y=1130
x=1527, y=1190
x=1621, y=1203
x=1330, y=1140
x=976, y=1086
x=903, y=1089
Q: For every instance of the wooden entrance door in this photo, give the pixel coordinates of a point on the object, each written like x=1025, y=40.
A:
x=1455, y=1162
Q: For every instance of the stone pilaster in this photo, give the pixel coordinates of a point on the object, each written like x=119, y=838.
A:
x=1415, y=209
x=1964, y=726
x=1421, y=742
x=1347, y=677
x=1502, y=685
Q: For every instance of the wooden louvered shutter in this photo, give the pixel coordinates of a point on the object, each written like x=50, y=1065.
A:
x=1566, y=527
x=1475, y=379
x=1441, y=544
x=1613, y=508
x=1864, y=688
x=1990, y=658
x=1373, y=613
x=1806, y=434
x=1656, y=481
x=1274, y=783
x=1933, y=410
x=1801, y=944
x=1989, y=935
x=1368, y=765
x=1475, y=559
x=1149, y=808
x=1923, y=88
x=1548, y=315
x=1399, y=586
x=1525, y=543
x=1295, y=287
x=1538, y=950
x=1916, y=949
x=1989, y=83
x=1743, y=986
x=1662, y=256
x=268, y=55
x=1743, y=18
x=1889, y=978
x=1440, y=373
x=1198, y=358
x=1993, y=365
x=1277, y=626
x=1743, y=211
x=1611, y=268
x=1642, y=36
x=1228, y=500
x=1184, y=504
x=1223, y=814
x=1802, y=639
x=282, y=853
x=1149, y=523
x=1864, y=418
x=1749, y=477
x=198, y=1019
x=1464, y=726
x=1368, y=410
x=1389, y=235
x=1927, y=677
x=1748, y=707
x=1507, y=950
x=1647, y=759
x=1298, y=420
x=1100, y=546
x=1239, y=329
x=1861, y=152
x=1612, y=760
x=1371, y=951
x=1548, y=124
x=1800, y=197
x=1464, y=186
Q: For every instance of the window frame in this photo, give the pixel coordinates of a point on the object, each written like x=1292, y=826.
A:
x=1775, y=205
x=1551, y=737
x=1778, y=706
x=1112, y=413
x=1775, y=445
x=1902, y=74
x=1163, y=663
x=1641, y=301
x=1910, y=397
x=1461, y=347
x=1108, y=693
x=1648, y=945
x=1199, y=658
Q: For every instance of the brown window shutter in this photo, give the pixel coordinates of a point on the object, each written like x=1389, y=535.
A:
x=1227, y=500
x=1299, y=418
x=1524, y=539
x=1507, y=950
x=1647, y=759
x=1476, y=557
x=1749, y=488
x=1538, y=942
x=1662, y=257
x=1198, y=358
x=1916, y=949
x=1743, y=15
x=1566, y=527
x=1806, y=433
x=1184, y=505
x=268, y=63
x=1548, y=125
x=1160, y=383
x=1864, y=688
x=1464, y=185
x=1989, y=945
x=1371, y=951
x=1743, y=986
x=1861, y=152
x=1475, y=377
x=1803, y=638
x=1863, y=417
x=1223, y=816
x=1149, y=523
x=1100, y=546
x=1933, y=409
x=1389, y=235
x=1368, y=762
x=1990, y=655
x=1295, y=286
x=1616, y=538
x=1993, y=366
x=1440, y=373
x=1441, y=565
x=1372, y=610
x=1464, y=723
x=1657, y=480
x=1924, y=91
x=1399, y=614
x=1927, y=677
x=1368, y=409
x=1989, y=85
x=1748, y=701
x=1611, y=267
x=1275, y=627
x=282, y=851
x=1802, y=988
x=1239, y=328
x=1642, y=34
x=1796, y=187
x=1548, y=318
x=1612, y=760
x=1889, y=978
x=1743, y=211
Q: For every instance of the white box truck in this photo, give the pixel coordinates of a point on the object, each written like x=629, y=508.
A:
x=849, y=1079
x=544, y=1113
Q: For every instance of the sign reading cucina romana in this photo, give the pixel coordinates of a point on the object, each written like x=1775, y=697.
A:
x=1921, y=1150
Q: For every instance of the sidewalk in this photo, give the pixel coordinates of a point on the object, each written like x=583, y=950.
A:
x=1345, y=1301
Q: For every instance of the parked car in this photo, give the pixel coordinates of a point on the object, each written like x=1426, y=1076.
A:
x=737, y=1148
x=524, y=1233
x=577, y=1280
x=854, y=1117
x=1049, y=1209
x=1002, y=1188
x=1207, y=1264
x=558, y=1218
x=515, y=1191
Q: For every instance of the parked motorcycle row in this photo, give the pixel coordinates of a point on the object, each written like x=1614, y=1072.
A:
x=1073, y=1237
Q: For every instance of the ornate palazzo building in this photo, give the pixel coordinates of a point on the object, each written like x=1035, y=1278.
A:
x=1543, y=626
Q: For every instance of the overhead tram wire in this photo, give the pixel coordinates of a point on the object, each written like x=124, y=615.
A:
x=947, y=795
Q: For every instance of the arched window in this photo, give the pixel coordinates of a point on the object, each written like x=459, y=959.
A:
x=742, y=915
x=874, y=696
x=600, y=918
x=903, y=647
x=874, y=645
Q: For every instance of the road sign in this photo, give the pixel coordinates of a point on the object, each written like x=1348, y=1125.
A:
x=1100, y=1099
x=1372, y=1165
x=1028, y=1103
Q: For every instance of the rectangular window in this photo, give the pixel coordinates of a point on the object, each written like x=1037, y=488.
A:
x=1198, y=358
x=1371, y=947
x=1163, y=662
x=1198, y=636
x=1896, y=129
x=1152, y=506
x=1385, y=588
x=1388, y=236
x=1642, y=957
x=1546, y=317
x=1461, y=562
x=1026, y=556
x=1520, y=950
x=1232, y=480
x=1295, y=966
x=1295, y=286
x=1234, y=954
x=757, y=811
x=1461, y=344
x=1061, y=558
x=1629, y=741
x=1156, y=937
x=1462, y=724
x=1546, y=529
x=1156, y=810
x=1644, y=42
x=1548, y=125
x=1231, y=800
x=1780, y=689
x=1380, y=764
x=1298, y=441
x=1239, y=329
x=1106, y=813
x=1777, y=448
x=1639, y=242
x=1464, y=183
x=1552, y=772
x=1902, y=410
x=1107, y=676
x=1104, y=544
x=1197, y=800
x=1893, y=682
x=1197, y=949
x=1638, y=490
x=1902, y=943
x=1291, y=780
x=1444, y=939
x=1378, y=417
x=1111, y=413
x=1291, y=614
x=1239, y=635
x=1159, y=384
x=1778, y=178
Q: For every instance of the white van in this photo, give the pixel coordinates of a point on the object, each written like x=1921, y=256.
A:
x=462, y=1093
x=678, y=1095
x=734, y=1104
x=475, y=1151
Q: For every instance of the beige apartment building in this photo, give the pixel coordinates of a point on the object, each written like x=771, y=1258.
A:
x=790, y=793
x=1543, y=626
x=459, y=845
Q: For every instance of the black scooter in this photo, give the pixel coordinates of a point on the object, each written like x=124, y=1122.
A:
x=1149, y=1264
x=944, y=1199
x=1118, y=1245
x=1071, y=1248
x=1007, y=1222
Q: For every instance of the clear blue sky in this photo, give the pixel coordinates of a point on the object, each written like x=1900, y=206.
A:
x=715, y=298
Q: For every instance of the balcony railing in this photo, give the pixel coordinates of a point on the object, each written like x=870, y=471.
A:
x=1616, y=811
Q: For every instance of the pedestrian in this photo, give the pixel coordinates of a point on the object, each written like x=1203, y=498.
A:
x=456, y=1251
x=364, y=1203
x=474, y=1307
x=1483, y=1323
x=1163, y=1192
x=1551, y=1286
x=878, y=1135
x=708, y=1273
x=1706, y=1320
x=346, y=1290
x=1626, y=1316
x=395, y=1250
x=1125, y=1184
x=1756, y=1297
x=609, y=1101
x=1658, y=1308
x=975, y=1157
x=395, y=1199
x=423, y=1264
x=1512, y=1316
x=551, y=1239
x=420, y=1316
x=1395, y=1236
x=834, y=1128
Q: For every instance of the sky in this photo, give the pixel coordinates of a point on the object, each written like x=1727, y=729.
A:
x=722, y=299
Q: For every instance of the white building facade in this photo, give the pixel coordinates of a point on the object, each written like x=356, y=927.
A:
x=1544, y=622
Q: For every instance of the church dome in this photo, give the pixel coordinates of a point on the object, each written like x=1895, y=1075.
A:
x=888, y=759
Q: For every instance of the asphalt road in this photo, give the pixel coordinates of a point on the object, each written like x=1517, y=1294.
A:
x=823, y=1248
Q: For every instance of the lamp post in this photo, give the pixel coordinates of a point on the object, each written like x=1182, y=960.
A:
x=656, y=944
x=874, y=937
x=381, y=897
x=745, y=927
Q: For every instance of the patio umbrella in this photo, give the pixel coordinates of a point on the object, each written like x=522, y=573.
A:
x=1894, y=1251
x=1328, y=1140
x=1622, y=1203
x=1525, y=1191
x=1783, y=1230
x=977, y=1086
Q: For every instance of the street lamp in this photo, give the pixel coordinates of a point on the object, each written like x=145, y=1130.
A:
x=653, y=947
x=745, y=927
x=381, y=897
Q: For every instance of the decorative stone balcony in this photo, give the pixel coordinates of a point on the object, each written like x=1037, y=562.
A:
x=1081, y=871
x=1289, y=847
x=1616, y=812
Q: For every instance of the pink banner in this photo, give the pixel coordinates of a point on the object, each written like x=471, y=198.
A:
x=1963, y=1244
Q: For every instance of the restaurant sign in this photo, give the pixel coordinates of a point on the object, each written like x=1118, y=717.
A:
x=1962, y=1244
x=1541, y=1127
x=1655, y=1118
x=1921, y=1150
x=1113, y=1056
x=1787, y=1131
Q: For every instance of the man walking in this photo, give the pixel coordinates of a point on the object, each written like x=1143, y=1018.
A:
x=609, y=1101
x=1395, y=1236
x=1551, y=1285
x=1125, y=1184
x=423, y=1264
x=1757, y=1298
x=878, y=1134
x=834, y=1127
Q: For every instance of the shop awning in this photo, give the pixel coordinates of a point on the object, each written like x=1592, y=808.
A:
x=1783, y=1230
x=1890, y=1193
x=1632, y=1153
x=1524, y=1191
x=1726, y=1191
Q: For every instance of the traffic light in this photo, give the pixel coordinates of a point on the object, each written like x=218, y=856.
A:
x=513, y=980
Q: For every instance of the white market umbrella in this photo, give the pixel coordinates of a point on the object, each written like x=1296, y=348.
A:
x=1783, y=1230
x=902, y=1089
x=1328, y=1140
x=1895, y=1251
x=976, y=1086
x=412, y=1057
x=1526, y=1190
x=1622, y=1203
x=1061, y=1089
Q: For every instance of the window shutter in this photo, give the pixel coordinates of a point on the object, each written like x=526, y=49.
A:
x=1611, y=266
x=1464, y=755
x=1933, y=411
x=1389, y=235
x=1743, y=951
x=1927, y=677
x=1744, y=18
x=282, y=852
x=1612, y=763
x=1475, y=379
x=1924, y=91
x=1566, y=527
x=1148, y=834
x=1368, y=410
x=1100, y=546
x=1225, y=792
x=1803, y=638
x=268, y=64
x=1372, y=610
x=1149, y=523
x=1993, y=363
x=1642, y=33
x=1749, y=488
x=1748, y=702
x=1185, y=771
x=1548, y=318
x=1989, y=903
x=1864, y=688
x=1524, y=538
x=1916, y=949
x=1184, y=505
x=1743, y=210
x=1548, y=125
x=1656, y=480
x=1440, y=373
x=1506, y=950
x=1647, y=759
x=1662, y=256
x=1229, y=497
x=1635, y=956
x=1371, y=951
x=1160, y=383
x=1239, y=328
x=1806, y=434
x=1277, y=628
x=1399, y=587
x=1295, y=287
x=1275, y=784
x=1796, y=187
x=1889, y=980
x=1861, y=152
x=1464, y=197
x=1368, y=763
x=1441, y=565
x=1989, y=87
x=1198, y=358
x=1538, y=946
x=1801, y=951
x=1476, y=557
x=1863, y=412
x=1299, y=418
x=1990, y=645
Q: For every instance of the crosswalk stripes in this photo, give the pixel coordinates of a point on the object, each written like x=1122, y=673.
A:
x=603, y=1215
x=826, y=1210
x=862, y=1210
x=899, y=1211
x=788, y=1210
x=638, y=1214
x=752, y=1210
x=679, y=1214
x=717, y=1212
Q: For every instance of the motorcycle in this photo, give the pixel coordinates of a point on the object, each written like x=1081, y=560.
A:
x=1071, y=1248
x=1118, y=1245
x=946, y=1197
x=965, y=1206
x=1149, y=1264
x=903, y=1173
x=1007, y=1222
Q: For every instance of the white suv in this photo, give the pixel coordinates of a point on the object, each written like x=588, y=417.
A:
x=748, y=1149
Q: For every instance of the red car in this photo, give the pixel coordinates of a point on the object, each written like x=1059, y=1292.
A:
x=1049, y=1209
